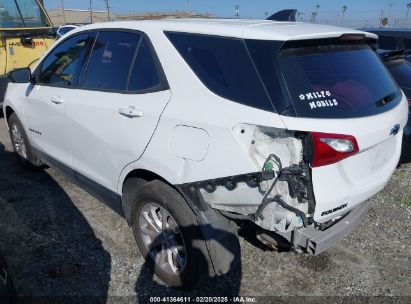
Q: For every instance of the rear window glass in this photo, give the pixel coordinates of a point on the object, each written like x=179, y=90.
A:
x=224, y=66
x=337, y=81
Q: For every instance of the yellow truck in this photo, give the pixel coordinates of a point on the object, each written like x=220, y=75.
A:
x=26, y=32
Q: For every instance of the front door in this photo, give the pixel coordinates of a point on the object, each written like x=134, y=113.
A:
x=46, y=101
x=111, y=121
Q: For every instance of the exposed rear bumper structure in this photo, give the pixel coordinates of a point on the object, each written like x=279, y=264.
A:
x=315, y=241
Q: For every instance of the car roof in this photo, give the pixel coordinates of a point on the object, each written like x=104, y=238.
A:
x=238, y=28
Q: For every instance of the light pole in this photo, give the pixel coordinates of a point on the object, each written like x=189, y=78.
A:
x=63, y=11
x=91, y=12
x=108, y=10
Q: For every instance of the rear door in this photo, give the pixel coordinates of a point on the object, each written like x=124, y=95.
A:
x=111, y=120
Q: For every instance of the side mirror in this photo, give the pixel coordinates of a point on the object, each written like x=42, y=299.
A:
x=20, y=75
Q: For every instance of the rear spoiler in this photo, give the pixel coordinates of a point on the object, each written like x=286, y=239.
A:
x=284, y=15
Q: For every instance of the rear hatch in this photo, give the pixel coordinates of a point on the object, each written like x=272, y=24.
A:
x=339, y=91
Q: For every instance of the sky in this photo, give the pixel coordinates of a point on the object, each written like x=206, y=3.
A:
x=359, y=13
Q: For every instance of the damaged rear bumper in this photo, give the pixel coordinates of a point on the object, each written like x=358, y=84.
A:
x=315, y=241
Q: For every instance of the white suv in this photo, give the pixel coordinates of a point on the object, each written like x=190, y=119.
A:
x=186, y=126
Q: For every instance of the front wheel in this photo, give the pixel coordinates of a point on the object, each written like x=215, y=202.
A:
x=20, y=142
x=168, y=235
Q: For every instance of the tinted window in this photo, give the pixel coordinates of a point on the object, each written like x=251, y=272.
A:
x=63, y=65
x=387, y=42
x=401, y=70
x=337, y=81
x=224, y=66
x=144, y=75
x=407, y=43
x=110, y=60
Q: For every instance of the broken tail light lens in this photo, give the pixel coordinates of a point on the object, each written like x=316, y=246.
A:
x=331, y=148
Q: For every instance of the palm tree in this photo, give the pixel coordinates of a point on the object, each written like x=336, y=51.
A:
x=406, y=16
x=313, y=15
x=344, y=8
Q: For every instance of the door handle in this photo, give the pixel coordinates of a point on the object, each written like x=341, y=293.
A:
x=57, y=100
x=130, y=112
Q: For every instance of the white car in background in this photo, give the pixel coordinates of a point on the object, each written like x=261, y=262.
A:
x=64, y=29
x=183, y=126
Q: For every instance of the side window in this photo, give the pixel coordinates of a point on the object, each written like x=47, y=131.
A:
x=224, y=66
x=387, y=42
x=144, y=75
x=110, y=60
x=407, y=43
x=63, y=65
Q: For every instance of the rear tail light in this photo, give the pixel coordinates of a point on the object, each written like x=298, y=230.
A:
x=409, y=102
x=331, y=148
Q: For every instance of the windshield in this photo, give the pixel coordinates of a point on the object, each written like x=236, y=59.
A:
x=329, y=80
x=22, y=14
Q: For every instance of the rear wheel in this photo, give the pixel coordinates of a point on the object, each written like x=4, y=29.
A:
x=20, y=142
x=168, y=235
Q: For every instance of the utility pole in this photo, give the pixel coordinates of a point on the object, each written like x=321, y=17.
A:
x=91, y=12
x=63, y=12
x=108, y=10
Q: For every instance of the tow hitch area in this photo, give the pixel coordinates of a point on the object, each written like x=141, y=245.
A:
x=315, y=241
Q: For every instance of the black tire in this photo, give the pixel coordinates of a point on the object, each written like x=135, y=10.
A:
x=29, y=158
x=196, y=257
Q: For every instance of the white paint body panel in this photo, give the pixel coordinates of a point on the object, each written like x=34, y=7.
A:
x=189, y=143
x=94, y=139
x=357, y=178
x=45, y=116
x=102, y=140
